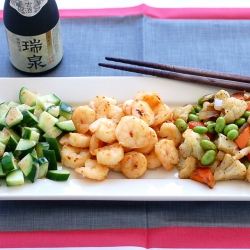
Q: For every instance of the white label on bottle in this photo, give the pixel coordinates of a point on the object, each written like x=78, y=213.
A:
x=36, y=54
x=28, y=7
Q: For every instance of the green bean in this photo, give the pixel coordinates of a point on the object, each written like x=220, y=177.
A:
x=208, y=158
x=232, y=134
x=220, y=124
x=200, y=129
x=246, y=114
x=207, y=145
x=181, y=124
x=192, y=117
x=211, y=128
x=239, y=122
x=229, y=127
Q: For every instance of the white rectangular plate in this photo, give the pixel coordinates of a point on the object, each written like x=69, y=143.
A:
x=155, y=185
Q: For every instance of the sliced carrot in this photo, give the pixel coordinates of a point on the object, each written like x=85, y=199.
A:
x=193, y=124
x=239, y=95
x=248, y=106
x=203, y=175
x=243, y=138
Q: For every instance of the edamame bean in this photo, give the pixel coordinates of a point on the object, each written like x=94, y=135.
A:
x=198, y=108
x=208, y=158
x=239, y=122
x=220, y=124
x=211, y=128
x=246, y=114
x=230, y=127
x=181, y=124
x=232, y=134
x=192, y=111
x=200, y=129
x=192, y=117
x=207, y=145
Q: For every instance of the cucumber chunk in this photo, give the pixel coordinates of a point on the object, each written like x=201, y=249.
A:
x=66, y=110
x=46, y=121
x=51, y=157
x=3, y=109
x=13, y=117
x=30, y=167
x=53, y=132
x=27, y=97
x=29, y=119
x=58, y=175
x=54, y=145
x=54, y=110
x=66, y=126
x=48, y=100
x=24, y=147
x=2, y=174
x=40, y=146
x=15, y=178
x=30, y=134
x=9, y=163
x=43, y=167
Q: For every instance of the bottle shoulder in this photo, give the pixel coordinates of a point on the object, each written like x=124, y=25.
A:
x=43, y=21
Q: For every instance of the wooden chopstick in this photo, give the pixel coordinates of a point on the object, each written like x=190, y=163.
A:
x=210, y=78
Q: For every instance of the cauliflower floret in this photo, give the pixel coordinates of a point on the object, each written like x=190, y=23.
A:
x=182, y=112
x=233, y=108
x=191, y=144
x=226, y=145
x=218, y=99
x=187, y=166
x=230, y=169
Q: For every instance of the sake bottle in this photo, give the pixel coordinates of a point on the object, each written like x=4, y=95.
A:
x=33, y=34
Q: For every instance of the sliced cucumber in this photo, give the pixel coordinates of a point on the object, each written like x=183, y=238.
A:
x=47, y=100
x=15, y=178
x=29, y=119
x=30, y=167
x=2, y=174
x=2, y=149
x=58, y=175
x=3, y=109
x=43, y=167
x=54, y=145
x=51, y=157
x=30, y=134
x=66, y=126
x=4, y=136
x=9, y=163
x=53, y=132
x=27, y=97
x=66, y=110
x=46, y=121
x=24, y=147
x=13, y=104
x=54, y=110
x=40, y=146
x=13, y=117
x=3, y=121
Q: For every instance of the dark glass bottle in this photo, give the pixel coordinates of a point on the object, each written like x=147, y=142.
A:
x=33, y=34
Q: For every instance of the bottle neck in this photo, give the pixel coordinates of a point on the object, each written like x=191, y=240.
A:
x=45, y=19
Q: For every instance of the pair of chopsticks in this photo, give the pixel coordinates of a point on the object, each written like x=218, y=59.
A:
x=192, y=75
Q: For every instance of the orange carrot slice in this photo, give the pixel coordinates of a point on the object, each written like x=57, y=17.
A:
x=243, y=138
x=203, y=175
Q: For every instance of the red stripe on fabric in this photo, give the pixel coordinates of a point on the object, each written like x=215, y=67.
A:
x=163, y=13
x=168, y=237
x=83, y=238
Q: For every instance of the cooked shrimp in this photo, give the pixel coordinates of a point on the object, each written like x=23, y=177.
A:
x=82, y=117
x=167, y=153
x=104, y=129
x=143, y=111
x=99, y=99
x=127, y=107
x=152, y=161
x=79, y=140
x=132, y=132
x=133, y=165
x=95, y=144
x=110, y=154
x=93, y=170
x=151, y=143
x=169, y=131
x=73, y=157
x=110, y=111
x=64, y=140
x=153, y=99
x=162, y=113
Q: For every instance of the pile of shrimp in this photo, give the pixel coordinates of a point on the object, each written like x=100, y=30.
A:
x=131, y=137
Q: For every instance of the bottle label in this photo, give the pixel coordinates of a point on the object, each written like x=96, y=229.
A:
x=28, y=8
x=36, y=54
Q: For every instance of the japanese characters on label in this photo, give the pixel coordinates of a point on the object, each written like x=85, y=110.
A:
x=28, y=7
x=36, y=53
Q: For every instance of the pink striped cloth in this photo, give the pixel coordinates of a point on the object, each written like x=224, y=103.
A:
x=163, y=13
